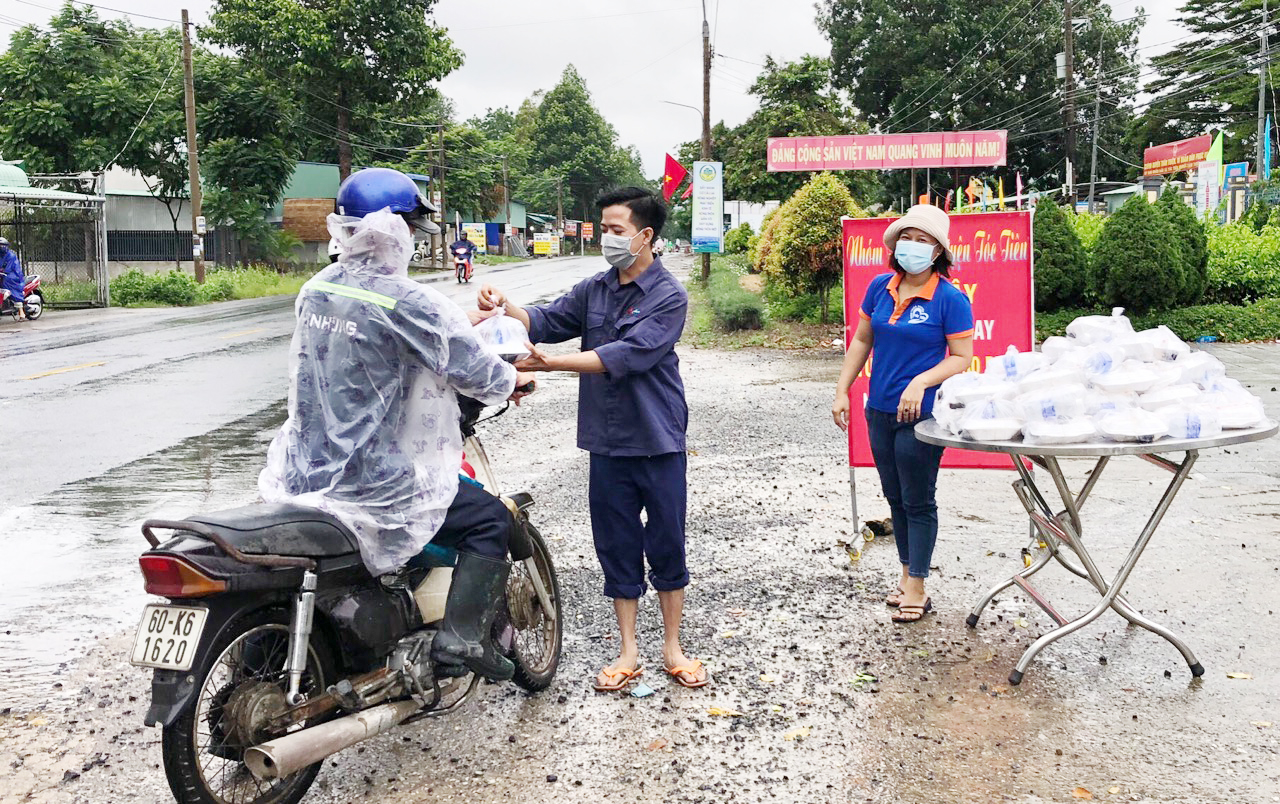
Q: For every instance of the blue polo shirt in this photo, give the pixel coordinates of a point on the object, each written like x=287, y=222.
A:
x=910, y=336
x=637, y=407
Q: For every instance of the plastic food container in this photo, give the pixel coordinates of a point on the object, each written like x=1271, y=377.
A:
x=1057, y=347
x=1014, y=365
x=1057, y=404
x=1153, y=345
x=1131, y=378
x=1050, y=377
x=1135, y=425
x=1183, y=394
x=1234, y=411
x=1102, y=358
x=1089, y=329
x=1004, y=429
x=1200, y=367
x=1098, y=403
x=1071, y=431
x=1190, y=423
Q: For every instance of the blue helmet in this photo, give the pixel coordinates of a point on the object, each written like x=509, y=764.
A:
x=372, y=189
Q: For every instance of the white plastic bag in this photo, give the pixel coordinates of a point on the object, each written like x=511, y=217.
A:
x=1130, y=377
x=1235, y=411
x=505, y=336
x=1200, y=367
x=1056, y=347
x=1050, y=377
x=1184, y=422
x=1152, y=345
x=1057, y=404
x=1134, y=424
x=1014, y=365
x=1102, y=358
x=992, y=420
x=1167, y=374
x=1089, y=329
x=1069, y=431
x=1097, y=403
x=1181, y=394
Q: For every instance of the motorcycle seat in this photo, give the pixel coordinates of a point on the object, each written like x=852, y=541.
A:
x=281, y=529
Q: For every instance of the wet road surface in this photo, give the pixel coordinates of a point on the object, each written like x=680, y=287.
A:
x=822, y=699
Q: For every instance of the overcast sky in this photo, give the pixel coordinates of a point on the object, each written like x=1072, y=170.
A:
x=633, y=55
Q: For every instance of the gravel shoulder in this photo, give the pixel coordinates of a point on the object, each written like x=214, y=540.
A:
x=827, y=700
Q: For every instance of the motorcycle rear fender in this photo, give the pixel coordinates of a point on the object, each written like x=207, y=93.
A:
x=521, y=546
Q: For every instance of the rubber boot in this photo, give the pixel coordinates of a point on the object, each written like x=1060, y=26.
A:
x=466, y=636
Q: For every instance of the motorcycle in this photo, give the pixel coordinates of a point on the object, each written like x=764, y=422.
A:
x=277, y=648
x=32, y=303
x=462, y=265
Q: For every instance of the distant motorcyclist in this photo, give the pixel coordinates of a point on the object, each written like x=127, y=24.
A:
x=373, y=430
x=464, y=244
x=14, y=280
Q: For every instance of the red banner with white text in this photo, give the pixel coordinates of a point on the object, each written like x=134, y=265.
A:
x=993, y=267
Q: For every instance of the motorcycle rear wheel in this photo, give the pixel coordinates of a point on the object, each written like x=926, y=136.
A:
x=34, y=304
x=537, y=646
x=203, y=759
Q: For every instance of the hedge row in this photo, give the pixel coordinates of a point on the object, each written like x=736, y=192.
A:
x=1230, y=323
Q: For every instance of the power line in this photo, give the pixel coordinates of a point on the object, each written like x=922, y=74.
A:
x=145, y=114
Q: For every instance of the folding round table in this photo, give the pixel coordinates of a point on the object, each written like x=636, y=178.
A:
x=1062, y=532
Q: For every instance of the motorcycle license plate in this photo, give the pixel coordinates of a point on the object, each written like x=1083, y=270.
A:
x=168, y=637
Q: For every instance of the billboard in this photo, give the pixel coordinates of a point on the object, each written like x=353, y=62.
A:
x=475, y=233
x=993, y=268
x=1175, y=157
x=708, y=207
x=588, y=230
x=542, y=244
x=889, y=151
x=570, y=228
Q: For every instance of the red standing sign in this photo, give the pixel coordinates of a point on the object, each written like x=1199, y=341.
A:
x=993, y=268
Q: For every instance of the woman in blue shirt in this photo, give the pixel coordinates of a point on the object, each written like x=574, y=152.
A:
x=921, y=329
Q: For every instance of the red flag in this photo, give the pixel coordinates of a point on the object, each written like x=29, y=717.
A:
x=671, y=177
x=688, y=191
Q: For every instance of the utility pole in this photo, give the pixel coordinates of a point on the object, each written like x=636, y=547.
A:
x=506, y=202
x=1097, y=120
x=706, y=115
x=1068, y=92
x=560, y=208
x=444, y=216
x=193, y=160
x=1262, y=86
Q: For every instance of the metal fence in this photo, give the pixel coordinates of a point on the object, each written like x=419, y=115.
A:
x=61, y=240
x=158, y=246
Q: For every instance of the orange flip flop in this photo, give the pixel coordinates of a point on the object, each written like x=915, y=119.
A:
x=619, y=678
x=678, y=674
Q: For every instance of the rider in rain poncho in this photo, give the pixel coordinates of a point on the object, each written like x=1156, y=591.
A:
x=373, y=430
x=12, y=277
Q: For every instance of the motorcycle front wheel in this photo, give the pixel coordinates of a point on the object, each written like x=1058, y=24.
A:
x=239, y=679
x=539, y=635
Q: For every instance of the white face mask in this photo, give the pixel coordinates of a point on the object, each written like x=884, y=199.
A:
x=617, y=250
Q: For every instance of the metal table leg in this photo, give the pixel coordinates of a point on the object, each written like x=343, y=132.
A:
x=1070, y=527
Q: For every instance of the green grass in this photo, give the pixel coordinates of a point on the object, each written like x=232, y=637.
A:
x=498, y=259
x=69, y=290
x=173, y=289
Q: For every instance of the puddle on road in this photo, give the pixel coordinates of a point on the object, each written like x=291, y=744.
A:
x=72, y=572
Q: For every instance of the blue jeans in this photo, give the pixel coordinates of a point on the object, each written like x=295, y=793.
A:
x=908, y=471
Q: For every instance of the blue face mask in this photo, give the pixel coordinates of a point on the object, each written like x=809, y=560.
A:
x=914, y=257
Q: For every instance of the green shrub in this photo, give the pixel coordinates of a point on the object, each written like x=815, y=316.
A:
x=737, y=240
x=174, y=288
x=765, y=259
x=1088, y=227
x=805, y=308
x=1242, y=264
x=130, y=287
x=1061, y=264
x=1136, y=260
x=1190, y=241
x=218, y=286
x=734, y=307
x=1230, y=323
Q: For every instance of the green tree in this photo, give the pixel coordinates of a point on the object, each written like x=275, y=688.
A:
x=1136, y=259
x=360, y=58
x=473, y=165
x=1190, y=242
x=808, y=246
x=1061, y=264
x=973, y=64
x=1210, y=80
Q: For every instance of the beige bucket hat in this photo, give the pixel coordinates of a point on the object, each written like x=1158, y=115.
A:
x=928, y=219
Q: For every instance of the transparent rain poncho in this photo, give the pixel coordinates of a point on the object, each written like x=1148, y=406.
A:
x=372, y=435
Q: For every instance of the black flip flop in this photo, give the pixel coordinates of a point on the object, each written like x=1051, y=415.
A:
x=925, y=609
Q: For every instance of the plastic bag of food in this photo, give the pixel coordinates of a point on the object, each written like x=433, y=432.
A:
x=1057, y=347
x=1135, y=424
x=1184, y=422
x=1130, y=377
x=1235, y=410
x=1089, y=329
x=992, y=420
x=504, y=336
x=1181, y=394
x=1153, y=345
x=1097, y=403
x=1200, y=367
x=1221, y=384
x=1068, y=431
x=1050, y=377
x=1014, y=365
x=1167, y=374
x=1102, y=358
x=1057, y=404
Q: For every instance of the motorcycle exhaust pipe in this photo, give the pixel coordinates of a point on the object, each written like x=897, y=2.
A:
x=287, y=755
